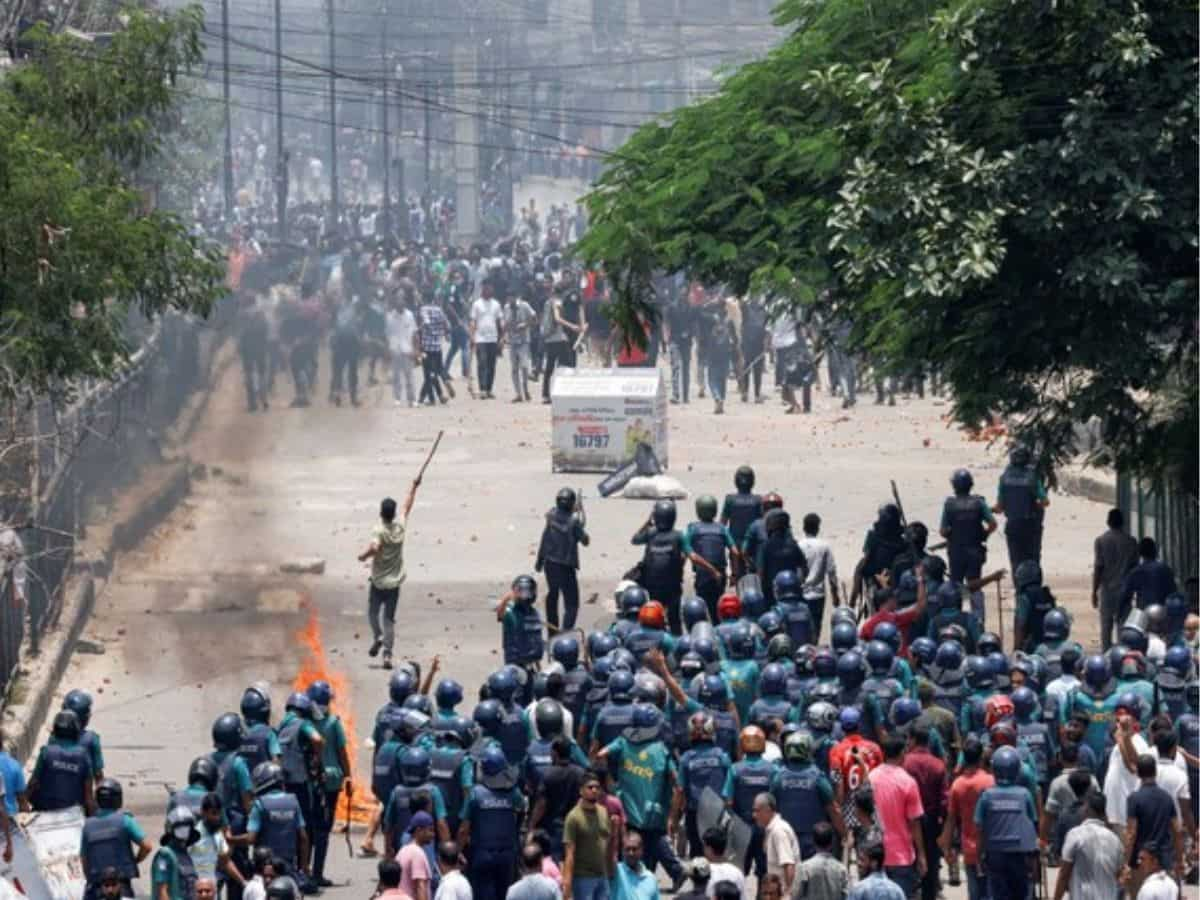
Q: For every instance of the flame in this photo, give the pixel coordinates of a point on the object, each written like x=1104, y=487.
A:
x=315, y=667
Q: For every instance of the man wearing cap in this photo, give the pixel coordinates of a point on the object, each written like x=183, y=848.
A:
x=415, y=874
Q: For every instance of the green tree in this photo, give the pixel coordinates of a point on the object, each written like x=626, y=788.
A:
x=1004, y=191
x=79, y=250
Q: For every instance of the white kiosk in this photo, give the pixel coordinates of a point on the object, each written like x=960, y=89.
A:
x=601, y=415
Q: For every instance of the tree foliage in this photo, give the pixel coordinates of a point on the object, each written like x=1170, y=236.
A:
x=79, y=250
x=1006, y=191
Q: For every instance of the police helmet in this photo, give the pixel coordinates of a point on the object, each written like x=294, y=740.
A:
x=647, y=723
x=1069, y=658
x=821, y=716
x=690, y=665
x=283, y=887
x=743, y=478
x=66, y=726
x=227, y=732
x=649, y=688
x=1024, y=702
x=600, y=644
x=502, y=685
x=620, y=686
x=850, y=672
x=1019, y=455
x=961, y=481
x=713, y=691
x=1177, y=609
x=692, y=610
x=978, y=673
x=786, y=584
x=181, y=817
x=842, y=614
x=706, y=650
x=779, y=647
x=949, y=596
x=824, y=663
x=203, y=771
x=1006, y=765
x=988, y=643
x=998, y=663
x=565, y=499
x=653, y=615
x=632, y=600
x=904, y=710
x=754, y=603
x=843, y=638
x=908, y=587
x=706, y=507
x=663, y=515
x=802, y=659
x=265, y=777
x=565, y=650
x=935, y=569
x=880, y=657
x=488, y=716
x=524, y=589
x=771, y=623
x=949, y=656
x=448, y=693
x=741, y=642
x=320, y=693
x=1156, y=619
x=109, y=794
x=923, y=650
x=421, y=703
x=752, y=740
x=773, y=680
x=1056, y=625
x=414, y=765
x=729, y=608
x=1131, y=703
x=1178, y=660
x=623, y=658
x=255, y=706
x=701, y=727
x=400, y=685
x=80, y=703
x=798, y=747
x=1096, y=672
x=300, y=704
x=850, y=720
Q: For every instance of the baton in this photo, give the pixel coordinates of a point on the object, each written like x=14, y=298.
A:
x=429, y=458
x=349, y=812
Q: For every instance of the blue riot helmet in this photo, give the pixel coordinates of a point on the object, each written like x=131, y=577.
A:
x=1177, y=610
x=80, y=703
x=692, y=610
x=821, y=716
x=420, y=703
x=850, y=720
x=1178, y=660
x=400, y=685
x=1056, y=625
x=842, y=614
x=663, y=515
x=923, y=650
x=1134, y=632
x=109, y=794
x=1130, y=703
x=754, y=603
x=632, y=600
x=690, y=665
x=787, y=585
x=989, y=642
x=844, y=637
x=623, y=658
x=267, y=776
x=1070, y=658
x=502, y=685
x=448, y=693
x=998, y=663
x=889, y=634
x=492, y=761
x=978, y=673
x=414, y=765
x=256, y=706
x=713, y=691
x=706, y=650
x=300, y=704
x=489, y=715
x=1006, y=765
x=741, y=642
x=907, y=588
x=1096, y=672
x=825, y=663
x=879, y=658
x=904, y=710
x=850, y=672
x=949, y=656
x=227, y=732
x=647, y=723
x=620, y=685
x=320, y=693
x=603, y=645
x=565, y=651
x=649, y=688
x=771, y=623
x=601, y=670
x=773, y=680
x=961, y=481
x=1024, y=702
x=949, y=595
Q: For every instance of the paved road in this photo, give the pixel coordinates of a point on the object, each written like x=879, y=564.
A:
x=200, y=610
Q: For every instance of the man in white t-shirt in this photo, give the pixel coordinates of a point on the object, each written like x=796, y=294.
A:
x=486, y=318
x=454, y=885
x=402, y=345
x=714, y=851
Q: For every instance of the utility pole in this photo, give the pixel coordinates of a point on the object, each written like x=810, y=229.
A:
x=334, y=205
x=228, y=115
x=466, y=137
x=428, y=68
x=281, y=168
x=387, y=134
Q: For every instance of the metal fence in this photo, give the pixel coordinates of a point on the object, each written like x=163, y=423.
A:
x=83, y=455
x=1171, y=518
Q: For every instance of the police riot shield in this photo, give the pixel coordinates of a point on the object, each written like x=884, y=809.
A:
x=749, y=581
x=713, y=813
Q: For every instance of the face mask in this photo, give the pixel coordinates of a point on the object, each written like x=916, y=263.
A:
x=320, y=712
x=182, y=832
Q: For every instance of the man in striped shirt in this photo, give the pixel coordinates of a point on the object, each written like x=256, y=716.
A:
x=433, y=327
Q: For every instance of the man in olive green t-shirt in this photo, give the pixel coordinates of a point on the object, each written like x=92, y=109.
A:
x=586, y=832
x=386, y=554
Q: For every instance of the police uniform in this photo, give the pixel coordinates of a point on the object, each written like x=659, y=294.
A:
x=493, y=815
x=558, y=557
x=662, y=570
x=803, y=794
x=1006, y=818
x=108, y=840
x=334, y=736
x=965, y=517
x=701, y=766
x=1020, y=494
x=62, y=772
x=276, y=820
x=173, y=867
x=747, y=778
x=712, y=541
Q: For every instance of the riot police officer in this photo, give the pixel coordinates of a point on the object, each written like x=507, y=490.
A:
x=778, y=553
x=1021, y=498
x=1034, y=601
x=452, y=770
x=414, y=767
x=756, y=534
x=966, y=523
x=447, y=696
x=616, y=714
x=662, y=562
x=1035, y=735
x=773, y=704
x=1171, y=682
x=260, y=743
x=202, y=779
x=234, y=782
x=62, y=775
x=1007, y=823
x=302, y=747
x=523, y=641
x=879, y=691
x=710, y=546
x=1096, y=699
x=748, y=777
x=558, y=557
x=335, y=774
x=172, y=872
x=741, y=509
x=549, y=726
x=489, y=827
x=80, y=703
x=702, y=766
x=577, y=681
x=109, y=839
x=401, y=685
x=804, y=793
x=788, y=590
x=276, y=820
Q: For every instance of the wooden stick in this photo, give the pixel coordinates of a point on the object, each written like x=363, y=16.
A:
x=1000, y=608
x=429, y=458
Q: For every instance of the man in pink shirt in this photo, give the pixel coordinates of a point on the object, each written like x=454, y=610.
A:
x=960, y=813
x=415, y=875
x=898, y=805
